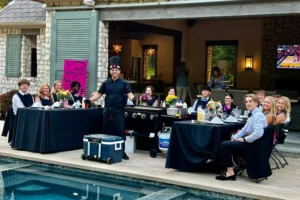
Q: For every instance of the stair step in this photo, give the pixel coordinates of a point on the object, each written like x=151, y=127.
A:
x=12, y=166
x=165, y=194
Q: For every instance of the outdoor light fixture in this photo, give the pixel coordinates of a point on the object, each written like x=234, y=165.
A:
x=151, y=52
x=249, y=63
x=117, y=48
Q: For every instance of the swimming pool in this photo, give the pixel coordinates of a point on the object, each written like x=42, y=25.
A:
x=27, y=180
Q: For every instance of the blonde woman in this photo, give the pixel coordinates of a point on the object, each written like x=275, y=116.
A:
x=283, y=110
x=269, y=109
x=56, y=87
x=45, y=96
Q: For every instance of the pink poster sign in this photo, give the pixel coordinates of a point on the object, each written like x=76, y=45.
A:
x=75, y=70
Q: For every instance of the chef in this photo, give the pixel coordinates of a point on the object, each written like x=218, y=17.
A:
x=116, y=90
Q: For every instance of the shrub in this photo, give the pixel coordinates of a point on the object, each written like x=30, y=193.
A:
x=6, y=101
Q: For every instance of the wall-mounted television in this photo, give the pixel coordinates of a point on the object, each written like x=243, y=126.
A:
x=288, y=57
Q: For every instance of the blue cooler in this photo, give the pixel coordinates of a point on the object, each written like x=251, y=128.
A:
x=101, y=147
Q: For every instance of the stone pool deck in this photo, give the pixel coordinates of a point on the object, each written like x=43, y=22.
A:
x=283, y=184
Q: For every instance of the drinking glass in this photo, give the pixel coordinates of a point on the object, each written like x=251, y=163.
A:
x=238, y=113
x=246, y=112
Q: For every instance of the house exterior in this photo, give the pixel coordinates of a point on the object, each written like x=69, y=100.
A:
x=75, y=31
x=22, y=30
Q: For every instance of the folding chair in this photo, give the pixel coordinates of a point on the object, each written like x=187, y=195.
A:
x=256, y=160
x=280, y=138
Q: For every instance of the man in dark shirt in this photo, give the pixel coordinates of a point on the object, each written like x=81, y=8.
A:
x=115, y=100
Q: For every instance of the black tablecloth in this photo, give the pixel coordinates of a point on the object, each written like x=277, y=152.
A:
x=54, y=130
x=168, y=120
x=191, y=145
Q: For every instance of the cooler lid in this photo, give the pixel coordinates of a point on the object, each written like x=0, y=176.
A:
x=104, y=137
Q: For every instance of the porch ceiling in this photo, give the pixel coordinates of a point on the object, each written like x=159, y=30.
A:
x=188, y=10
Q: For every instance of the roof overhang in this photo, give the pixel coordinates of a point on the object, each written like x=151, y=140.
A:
x=186, y=9
x=23, y=25
x=41, y=1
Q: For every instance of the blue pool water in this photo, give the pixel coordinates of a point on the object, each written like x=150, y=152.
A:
x=24, y=180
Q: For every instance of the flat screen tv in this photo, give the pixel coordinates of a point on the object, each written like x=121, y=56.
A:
x=288, y=57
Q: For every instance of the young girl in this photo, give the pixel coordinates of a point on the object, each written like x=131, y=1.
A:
x=45, y=96
x=269, y=109
x=56, y=87
x=283, y=110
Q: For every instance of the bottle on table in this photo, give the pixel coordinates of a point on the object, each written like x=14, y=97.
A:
x=200, y=113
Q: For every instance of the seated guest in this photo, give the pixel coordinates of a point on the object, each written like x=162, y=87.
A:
x=56, y=87
x=276, y=97
x=261, y=96
x=283, y=110
x=45, y=97
x=152, y=101
x=239, y=144
x=202, y=101
x=22, y=99
x=228, y=106
x=75, y=96
x=216, y=81
x=170, y=92
x=269, y=109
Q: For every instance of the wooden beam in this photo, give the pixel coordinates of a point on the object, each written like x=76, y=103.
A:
x=248, y=9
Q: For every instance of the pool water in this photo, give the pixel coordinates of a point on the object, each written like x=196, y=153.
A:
x=24, y=180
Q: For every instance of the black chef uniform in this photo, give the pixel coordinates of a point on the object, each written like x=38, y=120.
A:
x=116, y=92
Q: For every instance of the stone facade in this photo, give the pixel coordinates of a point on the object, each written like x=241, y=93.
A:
x=284, y=31
x=10, y=83
x=102, y=53
x=26, y=56
x=43, y=60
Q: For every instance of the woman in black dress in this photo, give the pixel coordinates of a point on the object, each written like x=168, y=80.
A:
x=150, y=92
x=228, y=106
x=56, y=87
x=45, y=96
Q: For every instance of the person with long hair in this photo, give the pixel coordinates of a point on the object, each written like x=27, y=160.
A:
x=170, y=92
x=56, y=87
x=240, y=143
x=269, y=109
x=45, y=96
x=216, y=81
x=150, y=92
x=283, y=110
x=228, y=105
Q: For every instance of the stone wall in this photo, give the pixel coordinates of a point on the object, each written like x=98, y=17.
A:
x=9, y=83
x=26, y=56
x=279, y=30
x=102, y=53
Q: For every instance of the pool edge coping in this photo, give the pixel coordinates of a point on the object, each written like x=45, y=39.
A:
x=287, y=194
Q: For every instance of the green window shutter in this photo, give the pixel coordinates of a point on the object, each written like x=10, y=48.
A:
x=74, y=36
x=13, y=56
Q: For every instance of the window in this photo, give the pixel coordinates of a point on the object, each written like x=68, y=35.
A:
x=222, y=54
x=13, y=56
x=33, y=62
x=29, y=55
x=149, y=62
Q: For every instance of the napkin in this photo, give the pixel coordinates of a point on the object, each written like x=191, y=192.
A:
x=216, y=120
x=230, y=119
x=37, y=105
x=77, y=104
x=190, y=110
x=56, y=105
